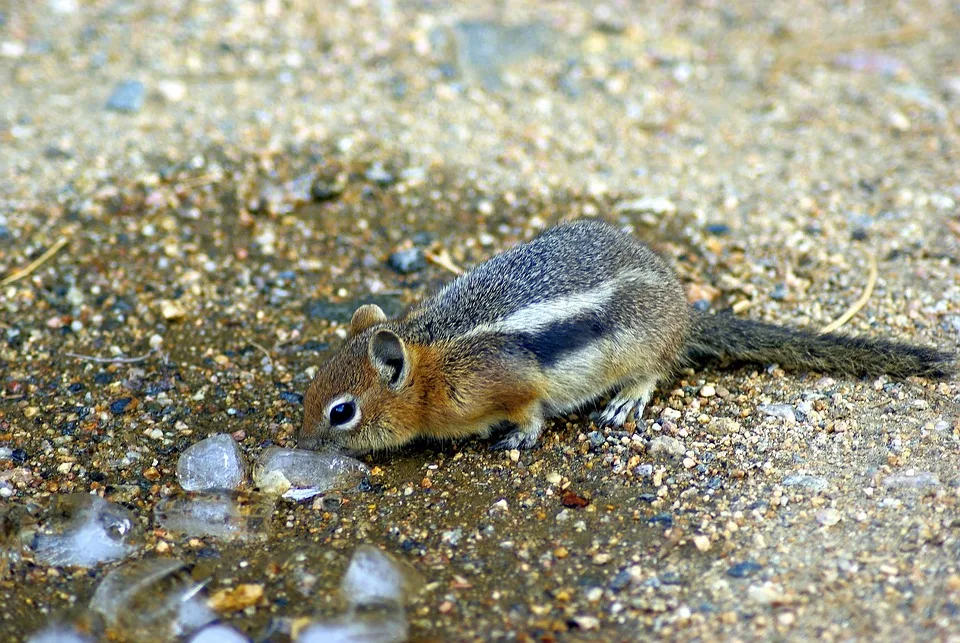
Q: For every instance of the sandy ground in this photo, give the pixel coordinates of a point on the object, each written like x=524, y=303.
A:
x=224, y=216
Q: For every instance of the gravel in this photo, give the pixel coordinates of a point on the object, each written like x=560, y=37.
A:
x=269, y=159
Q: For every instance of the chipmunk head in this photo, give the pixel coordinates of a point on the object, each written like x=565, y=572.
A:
x=358, y=399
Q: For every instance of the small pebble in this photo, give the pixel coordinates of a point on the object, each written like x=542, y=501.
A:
x=127, y=97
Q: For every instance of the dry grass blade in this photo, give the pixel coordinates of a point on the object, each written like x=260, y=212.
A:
x=36, y=263
x=443, y=260
x=857, y=305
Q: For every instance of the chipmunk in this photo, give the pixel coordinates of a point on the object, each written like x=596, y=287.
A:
x=581, y=311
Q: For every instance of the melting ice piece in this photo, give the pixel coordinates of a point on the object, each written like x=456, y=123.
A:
x=77, y=625
x=151, y=600
x=300, y=474
x=219, y=633
x=230, y=515
x=374, y=577
x=213, y=463
x=60, y=634
x=83, y=530
x=362, y=626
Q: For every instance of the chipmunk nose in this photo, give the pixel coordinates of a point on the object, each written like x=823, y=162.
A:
x=307, y=440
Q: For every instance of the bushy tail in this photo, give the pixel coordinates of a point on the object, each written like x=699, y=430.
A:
x=725, y=336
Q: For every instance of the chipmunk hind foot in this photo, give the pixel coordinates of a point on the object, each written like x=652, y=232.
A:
x=628, y=403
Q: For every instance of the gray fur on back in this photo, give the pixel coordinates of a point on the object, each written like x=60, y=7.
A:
x=570, y=258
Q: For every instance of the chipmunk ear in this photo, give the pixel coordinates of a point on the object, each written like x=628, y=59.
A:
x=366, y=316
x=389, y=356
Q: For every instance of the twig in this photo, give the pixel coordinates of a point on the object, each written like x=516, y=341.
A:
x=860, y=303
x=111, y=360
x=820, y=48
x=262, y=350
x=36, y=263
x=443, y=260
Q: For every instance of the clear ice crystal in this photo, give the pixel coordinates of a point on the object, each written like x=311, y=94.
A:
x=212, y=463
x=299, y=474
x=151, y=600
x=374, y=577
x=83, y=530
x=228, y=515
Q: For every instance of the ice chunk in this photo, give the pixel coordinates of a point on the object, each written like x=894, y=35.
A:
x=151, y=600
x=60, y=634
x=83, y=530
x=374, y=577
x=231, y=515
x=362, y=626
x=300, y=474
x=213, y=463
x=219, y=633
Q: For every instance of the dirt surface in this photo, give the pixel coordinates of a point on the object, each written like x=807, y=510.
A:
x=222, y=219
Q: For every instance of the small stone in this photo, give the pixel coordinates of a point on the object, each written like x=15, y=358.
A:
x=744, y=569
x=127, y=97
x=898, y=120
x=408, y=261
x=702, y=542
x=784, y=412
x=212, y=463
x=572, y=500
x=912, y=480
x=766, y=594
x=499, y=507
x=561, y=552
x=665, y=445
x=120, y=405
x=786, y=619
x=234, y=599
x=814, y=483
x=602, y=559
x=671, y=414
x=172, y=91
x=653, y=205
x=379, y=175
x=689, y=463
x=514, y=455
x=172, y=310
x=708, y=390
x=554, y=478
x=828, y=517
x=586, y=622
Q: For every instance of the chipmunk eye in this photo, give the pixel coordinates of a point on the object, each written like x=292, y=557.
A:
x=342, y=413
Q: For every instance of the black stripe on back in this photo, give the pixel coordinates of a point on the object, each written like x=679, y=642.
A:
x=550, y=345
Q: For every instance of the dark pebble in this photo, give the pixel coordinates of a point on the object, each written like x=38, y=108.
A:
x=664, y=519
x=621, y=581
x=103, y=378
x=647, y=497
x=718, y=229
x=291, y=397
x=76, y=387
x=323, y=190
x=127, y=97
x=19, y=456
x=119, y=406
x=596, y=438
x=671, y=578
x=408, y=261
x=744, y=569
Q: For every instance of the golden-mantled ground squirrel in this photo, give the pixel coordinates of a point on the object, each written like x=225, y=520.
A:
x=546, y=327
